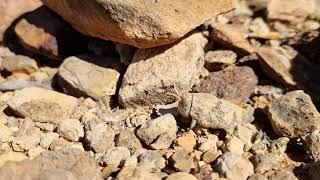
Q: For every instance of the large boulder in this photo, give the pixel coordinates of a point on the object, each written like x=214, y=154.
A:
x=141, y=23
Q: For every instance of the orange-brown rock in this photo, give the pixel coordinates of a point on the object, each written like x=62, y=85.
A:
x=141, y=23
x=10, y=10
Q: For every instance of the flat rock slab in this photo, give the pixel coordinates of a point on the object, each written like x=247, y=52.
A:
x=43, y=105
x=81, y=77
x=156, y=75
x=70, y=164
x=235, y=84
x=141, y=23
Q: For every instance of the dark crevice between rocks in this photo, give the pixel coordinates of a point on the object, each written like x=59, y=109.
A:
x=306, y=69
x=262, y=122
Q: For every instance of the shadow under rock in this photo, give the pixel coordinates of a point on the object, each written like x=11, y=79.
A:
x=307, y=76
x=148, y=53
x=67, y=40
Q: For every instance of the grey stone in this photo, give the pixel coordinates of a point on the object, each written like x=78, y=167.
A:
x=234, y=166
x=99, y=136
x=70, y=129
x=208, y=111
x=182, y=160
x=294, y=115
x=62, y=144
x=158, y=133
x=128, y=139
x=115, y=156
x=151, y=160
x=312, y=145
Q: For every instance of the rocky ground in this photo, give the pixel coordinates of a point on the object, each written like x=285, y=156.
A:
x=214, y=89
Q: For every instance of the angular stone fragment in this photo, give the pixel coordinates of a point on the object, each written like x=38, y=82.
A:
x=234, y=145
x=157, y=74
x=187, y=141
x=234, y=166
x=115, y=156
x=182, y=160
x=216, y=59
x=95, y=79
x=25, y=143
x=62, y=144
x=294, y=115
x=294, y=11
x=208, y=111
x=99, y=136
x=32, y=153
x=10, y=10
x=151, y=160
x=235, y=84
x=128, y=139
x=312, y=145
x=210, y=156
x=44, y=32
x=141, y=23
x=277, y=62
x=158, y=133
x=47, y=139
x=66, y=164
x=42, y=105
x=5, y=52
x=230, y=36
x=19, y=64
x=70, y=129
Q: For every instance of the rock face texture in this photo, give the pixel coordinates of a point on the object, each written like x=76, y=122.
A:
x=211, y=112
x=71, y=164
x=158, y=133
x=43, y=105
x=234, y=84
x=294, y=115
x=145, y=82
x=141, y=23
